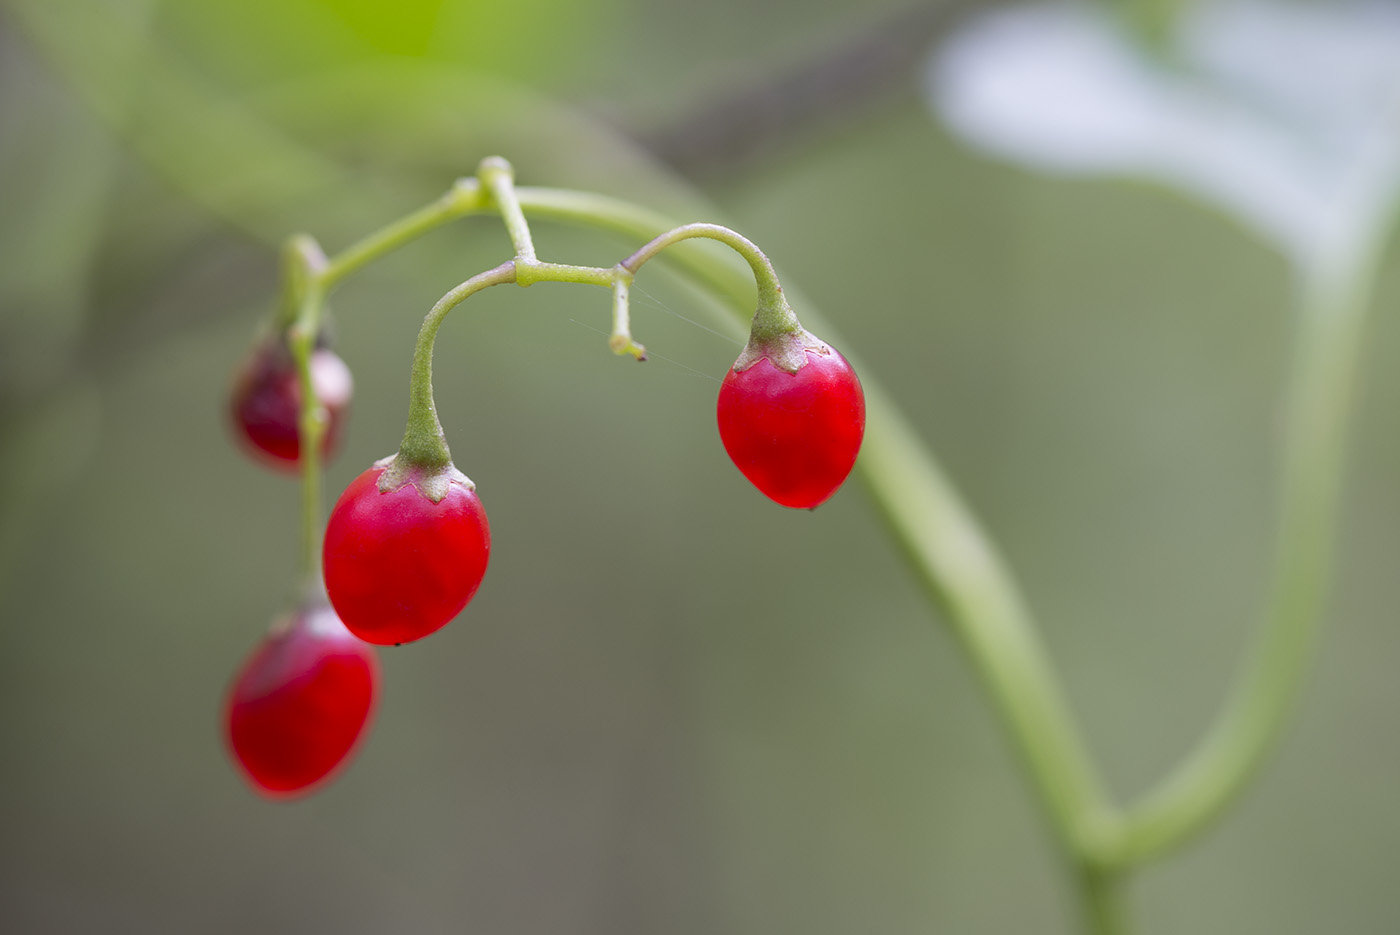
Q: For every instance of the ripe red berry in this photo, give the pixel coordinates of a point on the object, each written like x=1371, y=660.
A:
x=795, y=436
x=266, y=402
x=300, y=703
x=398, y=564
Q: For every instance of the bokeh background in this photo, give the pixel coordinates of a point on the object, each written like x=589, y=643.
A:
x=673, y=707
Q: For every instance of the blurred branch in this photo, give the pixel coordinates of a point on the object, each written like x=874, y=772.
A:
x=755, y=116
x=1335, y=303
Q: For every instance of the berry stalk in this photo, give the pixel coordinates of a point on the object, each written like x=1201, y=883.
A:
x=423, y=444
x=773, y=316
x=305, y=292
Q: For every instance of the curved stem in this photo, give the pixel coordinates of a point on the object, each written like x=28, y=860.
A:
x=1333, y=304
x=770, y=291
x=946, y=547
x=962, y=573
x=302, y=289
x=423, y=442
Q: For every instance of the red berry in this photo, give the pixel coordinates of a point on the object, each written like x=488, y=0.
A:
x=795, y=436
x=399, y=565
x=300, y=703
x=266, y=402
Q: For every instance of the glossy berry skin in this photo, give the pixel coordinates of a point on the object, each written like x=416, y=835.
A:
x=399, y=566
x=795, y=436
x=300, y=704
x=266, y=402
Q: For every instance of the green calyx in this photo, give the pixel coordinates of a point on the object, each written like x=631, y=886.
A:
x=431, y=480
x=776, y=333
x=780, y=337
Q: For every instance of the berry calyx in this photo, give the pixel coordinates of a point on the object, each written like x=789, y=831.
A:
x=791, y=415
x=300, y=703
x=405, y=550
x=266, y=402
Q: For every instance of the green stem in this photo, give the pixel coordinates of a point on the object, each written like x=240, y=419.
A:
x=620, y=341
x=423, y=443
x=1333, y=305
x=774, y=316
x=961, y=571
x=1101, y=892
x=499, y=178
x=530, y=272
x=303, y=290
x=465, y=197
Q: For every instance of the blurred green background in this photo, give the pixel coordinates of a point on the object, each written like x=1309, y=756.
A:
x=673, y=707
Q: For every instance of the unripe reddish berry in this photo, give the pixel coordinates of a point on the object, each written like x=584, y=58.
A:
x=794, y=433
x=404, y=554
x=266, y=402
x=301, y=703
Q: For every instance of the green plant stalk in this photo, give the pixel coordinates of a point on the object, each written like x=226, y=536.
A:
x=620, y=341
x=770, y=292
x=1101, y=891
x=529, y=272
x=962, y=573
x=463, y=198
x=423, y=442
x=498, y=177
x=1333, y=302
x=303, y=290
x=424, y=445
